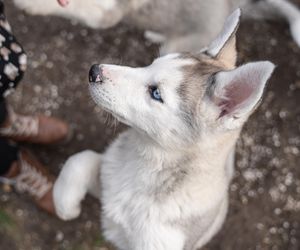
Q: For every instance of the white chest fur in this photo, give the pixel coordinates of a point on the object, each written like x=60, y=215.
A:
x=144, y=187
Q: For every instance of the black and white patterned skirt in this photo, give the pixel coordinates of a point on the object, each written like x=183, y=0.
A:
x=13, y=59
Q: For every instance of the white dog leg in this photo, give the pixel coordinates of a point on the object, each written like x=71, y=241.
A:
x=191, y=43
x=93, y=13
x=291, y=13
x=272, y=9
x=215, y=226
x=114, y=233
x=157, y=236
x=79, y=175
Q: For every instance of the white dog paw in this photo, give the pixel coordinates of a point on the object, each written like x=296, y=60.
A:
x=67, y=205
x=73, y=183
x=66, y=212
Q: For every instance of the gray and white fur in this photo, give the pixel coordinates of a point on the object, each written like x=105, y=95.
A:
x=163, y=183
x=180, y=25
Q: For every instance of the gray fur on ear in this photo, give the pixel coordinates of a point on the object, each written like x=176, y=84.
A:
x=229, y=29
x=224, y=46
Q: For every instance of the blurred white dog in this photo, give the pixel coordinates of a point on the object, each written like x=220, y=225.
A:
x=163, y=183
x=181, y=25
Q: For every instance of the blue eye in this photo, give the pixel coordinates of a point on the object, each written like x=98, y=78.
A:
x=155, y=93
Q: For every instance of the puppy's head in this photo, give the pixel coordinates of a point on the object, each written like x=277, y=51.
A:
x=181, y=97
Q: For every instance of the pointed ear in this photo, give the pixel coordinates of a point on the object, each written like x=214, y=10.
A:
x=236, y=93
x=223, y=47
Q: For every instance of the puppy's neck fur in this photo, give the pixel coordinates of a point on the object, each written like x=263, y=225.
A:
x=204, y=149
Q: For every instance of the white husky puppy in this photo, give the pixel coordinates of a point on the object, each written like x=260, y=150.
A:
x=163, y=183
x=181, y=25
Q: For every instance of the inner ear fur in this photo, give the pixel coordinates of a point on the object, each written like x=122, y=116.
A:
x=228, y=54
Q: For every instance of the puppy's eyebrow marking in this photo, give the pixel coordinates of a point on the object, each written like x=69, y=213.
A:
x=195, y=77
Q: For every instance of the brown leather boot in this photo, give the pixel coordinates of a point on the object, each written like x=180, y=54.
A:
x=38, y=129
x=28, y=175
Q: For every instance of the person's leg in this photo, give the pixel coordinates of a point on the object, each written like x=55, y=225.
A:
x=8, y=151
x=27, y=175
x=34, y=129
x=3, y=112
x=21, y=169
x=17, y=166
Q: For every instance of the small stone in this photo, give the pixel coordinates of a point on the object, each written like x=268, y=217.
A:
x=7, y=188
x=277, y=211
x=59, y=236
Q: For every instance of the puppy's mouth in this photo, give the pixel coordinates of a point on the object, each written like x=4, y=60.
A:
x=99, y=95
x=99, y=79
x=102, y=99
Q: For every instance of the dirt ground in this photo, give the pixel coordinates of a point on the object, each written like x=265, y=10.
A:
x=265, y=193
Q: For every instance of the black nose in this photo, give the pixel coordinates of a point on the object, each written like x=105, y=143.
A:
x=95, y=74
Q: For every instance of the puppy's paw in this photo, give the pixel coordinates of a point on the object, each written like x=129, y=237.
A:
x=66, y=212
x=67, y=204
x=68, y=190
x=74, y=182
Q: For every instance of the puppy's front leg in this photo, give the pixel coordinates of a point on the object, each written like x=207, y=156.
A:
x=158, y=236
x=79, y=175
